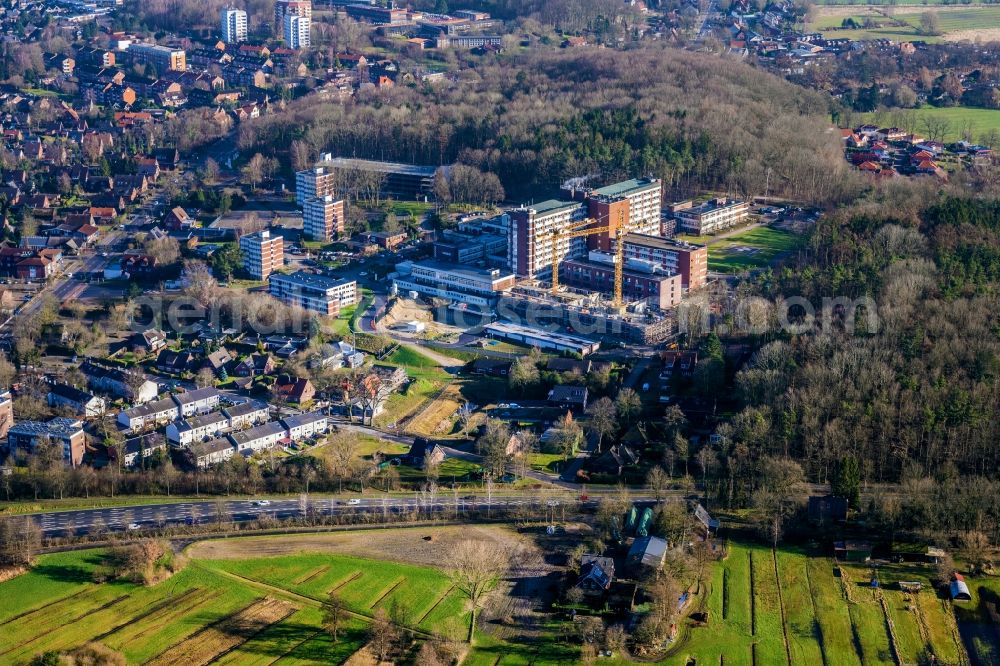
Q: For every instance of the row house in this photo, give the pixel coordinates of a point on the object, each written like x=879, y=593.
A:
x=259, y=438
x=141, y=448
x=236, y=417
x=117, y=383
x=244, y=77
x=183, y=405
x=210, y=453
x=81, y=403
x=309, y=424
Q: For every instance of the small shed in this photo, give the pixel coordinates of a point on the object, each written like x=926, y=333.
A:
x=648, y=552
x=852, y=551
x=959, y=590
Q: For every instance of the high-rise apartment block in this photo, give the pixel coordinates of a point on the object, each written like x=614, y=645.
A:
x=323, y=218
x=263, y=253
x=297, y=32
x=315, y=182
x=533, y=243
x=234, y=25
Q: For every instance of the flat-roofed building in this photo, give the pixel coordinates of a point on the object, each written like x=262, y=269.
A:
x=534, y=337
x=636, y=204
x=710, y=216
x=376, y=15
x=297, y=32
x=66, y=431
x=263, y=253
x=640, y=281
x=163, y=58
x=283, y=8
x=315, y=293
x=457, y=283
x=315, y=182
x=688, y=259
x=323, y=218
x=532, y=243
x=234, y=25
x=401, y=181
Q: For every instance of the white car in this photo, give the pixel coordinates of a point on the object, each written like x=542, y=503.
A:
x=263, y=502
x=354, y=502
x=134, y=526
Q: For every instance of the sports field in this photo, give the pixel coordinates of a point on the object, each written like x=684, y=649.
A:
x=751, y=249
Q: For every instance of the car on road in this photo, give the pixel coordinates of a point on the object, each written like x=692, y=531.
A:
x=134, y=526
x=354, y=502
x=262, y=503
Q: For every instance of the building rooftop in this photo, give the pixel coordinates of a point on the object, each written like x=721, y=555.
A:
x=195, y=396
x=310, y=280
x=59, y=426
x=463, y=269
x=272, y=428
x=210, y=419
x=212, y=446
x=245, y=408
x=551, y=206
x=155, y=407
x=626, y=187
x=660, y=242
x=384, y=167
x=306, y=418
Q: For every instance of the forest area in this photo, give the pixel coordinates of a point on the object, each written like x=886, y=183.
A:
x=911, y=399
x=696, y=121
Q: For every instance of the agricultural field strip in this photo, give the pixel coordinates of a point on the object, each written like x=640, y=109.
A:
x=294, y=595
x=220, y=637
x=77, y=611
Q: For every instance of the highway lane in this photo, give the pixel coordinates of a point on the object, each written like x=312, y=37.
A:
x=139, y=517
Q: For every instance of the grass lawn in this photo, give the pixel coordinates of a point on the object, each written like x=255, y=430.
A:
x=751, y=249
x=957, y=22
x=546, y=462
x=342, y=323
x=768, y=631
x=800, y=615
x=57, y=606
x=978, y=120
x=832, y=614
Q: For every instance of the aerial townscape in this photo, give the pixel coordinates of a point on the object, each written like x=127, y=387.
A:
x=499, y=332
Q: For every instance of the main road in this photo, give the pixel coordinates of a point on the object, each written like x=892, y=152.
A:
x=151, y=516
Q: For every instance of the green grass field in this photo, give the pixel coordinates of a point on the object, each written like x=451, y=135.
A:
x=805, y=602
x=57, y=606
x=955, y=21
x=979, y=121
x=755, y=248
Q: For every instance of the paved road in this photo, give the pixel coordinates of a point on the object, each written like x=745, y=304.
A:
x=136, y=518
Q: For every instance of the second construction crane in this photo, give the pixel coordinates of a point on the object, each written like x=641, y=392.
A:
x=582, y=230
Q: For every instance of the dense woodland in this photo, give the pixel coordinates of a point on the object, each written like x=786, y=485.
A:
x=917, y=397
x=694, y=120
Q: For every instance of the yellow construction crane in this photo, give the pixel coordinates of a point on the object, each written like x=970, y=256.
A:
x=581, y=230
